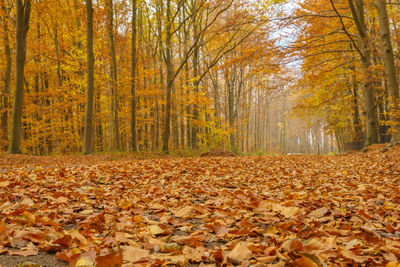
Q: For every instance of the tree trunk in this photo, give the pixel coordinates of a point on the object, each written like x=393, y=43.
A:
x=170, y=78
x=369, y=92
x=196, y=83
x=22, y=25
x=390, y=69
x=114, y=78
x=88, y=136
x=6, y=78
x=133, y=78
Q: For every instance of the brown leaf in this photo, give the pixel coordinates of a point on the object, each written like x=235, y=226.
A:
x=193, y=255
x=156, y=230
x=318, y=213
x=25, y=253
x=305, y=262
x=184, y=212
x=240, y=252
x=266, y=259
x=133, y=254
x=351, y=256
x=113, y=259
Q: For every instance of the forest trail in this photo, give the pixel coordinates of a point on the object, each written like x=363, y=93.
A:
x=303, y=210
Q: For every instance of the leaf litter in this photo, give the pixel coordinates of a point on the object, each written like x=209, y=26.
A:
x=219, y=211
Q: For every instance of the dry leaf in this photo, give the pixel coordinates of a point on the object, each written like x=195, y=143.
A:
x=184, y=212
x=133, y=254
x=316, y=214
x=113, y=259
x=240, y=252
x=351, y=256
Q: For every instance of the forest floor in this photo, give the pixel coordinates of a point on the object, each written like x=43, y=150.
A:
x=296, y=210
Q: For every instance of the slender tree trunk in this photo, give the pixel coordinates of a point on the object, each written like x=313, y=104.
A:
x=231, y=116
x=369, y=92
x=390, y=69
x=170, y=78
x=88, y=136
x=154, y=109
x=133, y=78
x=188, y=105
x=196, y=83
x=356, y=116
x=23, y=10
x=357, y=127
x=159, y=106
x=7, y=76
x=114, y=77
x=56, y=46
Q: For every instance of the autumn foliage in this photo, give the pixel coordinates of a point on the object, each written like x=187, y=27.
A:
x=219, y=53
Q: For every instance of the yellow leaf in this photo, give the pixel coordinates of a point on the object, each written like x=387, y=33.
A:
x=4, y=184
x=393, y=264
x=31, y=218
x=156, y=230
x=125, y=204
x=85, y=262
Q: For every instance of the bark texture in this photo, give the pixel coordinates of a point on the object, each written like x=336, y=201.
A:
x=390, y=69
x=371, y=122
x=23, y=10
x=133, y=78
x=6, y=77
x=88, y=144
x=114, y=78
x=170, y=78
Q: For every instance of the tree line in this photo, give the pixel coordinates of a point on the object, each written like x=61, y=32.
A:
x=153, y=75
x=149, y=75
x=349, y=54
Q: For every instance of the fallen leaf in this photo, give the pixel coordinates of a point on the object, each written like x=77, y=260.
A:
x=4, y=183
x=318, y=213
x=85, y=261
x=240, y=252
x=156, y=230
x=133, y=254
x=184, y=212
x=193, y=255
x=351, y=256
x=24, y=253
x=113, y=259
